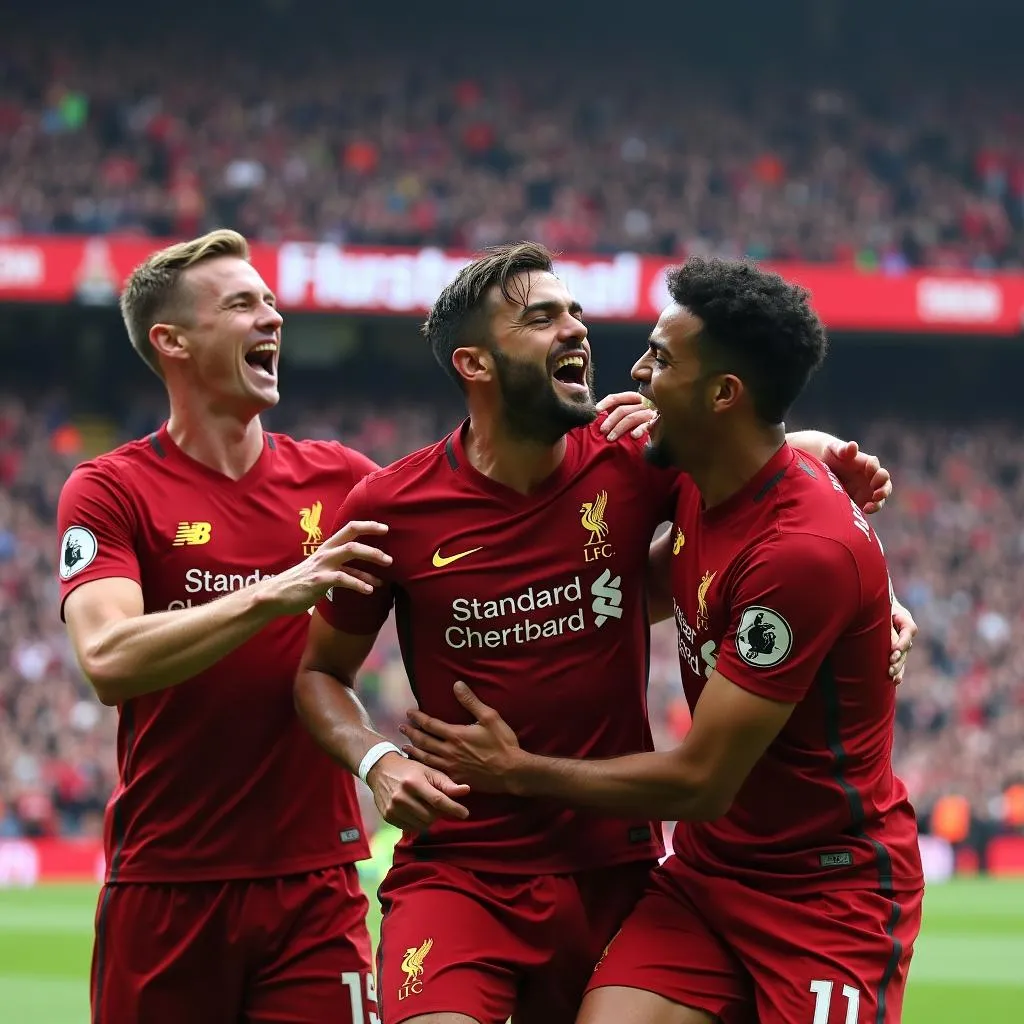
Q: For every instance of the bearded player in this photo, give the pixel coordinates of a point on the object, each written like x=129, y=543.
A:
x=795, y=890
x=520, y=548
x=188, y=562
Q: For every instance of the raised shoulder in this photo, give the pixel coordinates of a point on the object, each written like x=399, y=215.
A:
x=412, y=466
x=322, y=456
x=120, y=467
x=812, y=501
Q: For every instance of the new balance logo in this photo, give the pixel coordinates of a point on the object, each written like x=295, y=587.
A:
x=607, y=591
x=192, y=533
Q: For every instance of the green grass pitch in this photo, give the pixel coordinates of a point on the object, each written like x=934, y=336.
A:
x=968, y=966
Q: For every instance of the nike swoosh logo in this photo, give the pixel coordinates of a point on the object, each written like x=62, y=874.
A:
x=440, y=561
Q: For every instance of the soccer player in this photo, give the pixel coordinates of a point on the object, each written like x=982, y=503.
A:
x=520, y=547
x=795, y=890
x=188, y=561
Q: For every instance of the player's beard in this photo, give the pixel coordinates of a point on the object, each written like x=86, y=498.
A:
x=688, y=431
x=658, y=454
x=533, y=410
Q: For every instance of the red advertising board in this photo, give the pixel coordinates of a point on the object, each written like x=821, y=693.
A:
x=624, y=286
x=25, y=862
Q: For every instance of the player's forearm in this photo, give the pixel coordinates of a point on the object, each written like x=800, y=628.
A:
x=147, y=653
x=333, y=713
x=660, y=605
x=814, y=442
x=650, y=785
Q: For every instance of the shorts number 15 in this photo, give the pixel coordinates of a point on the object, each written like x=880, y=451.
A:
x=823, y=1001
x=353, y=981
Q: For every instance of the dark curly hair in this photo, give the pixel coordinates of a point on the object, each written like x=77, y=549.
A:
x=460, y=309
x=756, y=325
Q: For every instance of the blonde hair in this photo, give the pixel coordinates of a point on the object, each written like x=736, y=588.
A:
x=153, y=290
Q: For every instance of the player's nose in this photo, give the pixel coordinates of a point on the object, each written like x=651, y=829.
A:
x=572, y=329
x=641, y=371
x=271, y=317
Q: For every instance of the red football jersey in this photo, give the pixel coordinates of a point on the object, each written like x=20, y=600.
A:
x=539, y=603
x=218, y=778
x=784, y=588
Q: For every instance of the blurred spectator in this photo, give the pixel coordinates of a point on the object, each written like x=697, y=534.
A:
x=379, y=147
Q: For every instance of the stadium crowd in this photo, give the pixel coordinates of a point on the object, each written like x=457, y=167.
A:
x=952, y=532
x=376, y=148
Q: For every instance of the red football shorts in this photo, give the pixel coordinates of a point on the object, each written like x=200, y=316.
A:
x=291, y=949
x=494, y=946
x=746, y=957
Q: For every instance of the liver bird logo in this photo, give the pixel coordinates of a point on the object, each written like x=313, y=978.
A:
x=309, y=520
x=412, y=962
x=592, y=518
x=702, y=599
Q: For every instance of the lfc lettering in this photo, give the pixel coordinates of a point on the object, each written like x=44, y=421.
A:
x=594, y=552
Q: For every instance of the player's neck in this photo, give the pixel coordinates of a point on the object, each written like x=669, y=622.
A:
x=224, y=442
x=511, y=461
x=734, y=461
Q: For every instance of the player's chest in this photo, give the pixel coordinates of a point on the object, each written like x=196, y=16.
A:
x=211, y=542
x=480, y=561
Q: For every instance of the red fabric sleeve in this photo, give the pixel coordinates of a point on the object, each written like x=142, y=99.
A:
x=96, y=525
x=789, y=605
x=360, y=464
x=346, y=610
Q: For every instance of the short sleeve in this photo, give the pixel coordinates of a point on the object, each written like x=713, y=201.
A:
x=789, y=605
x=346, y=610
x=97, y=527
x=359, y=464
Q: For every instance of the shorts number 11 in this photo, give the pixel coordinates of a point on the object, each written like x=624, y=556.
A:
x=823, y=1001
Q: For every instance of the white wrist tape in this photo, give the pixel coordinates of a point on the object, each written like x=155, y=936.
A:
x=374, y=754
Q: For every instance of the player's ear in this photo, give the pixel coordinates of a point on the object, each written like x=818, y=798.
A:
x=167, y=341
x=473, y=363
x=724, y=392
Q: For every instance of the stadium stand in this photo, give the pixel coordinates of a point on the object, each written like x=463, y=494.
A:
x=378, y=149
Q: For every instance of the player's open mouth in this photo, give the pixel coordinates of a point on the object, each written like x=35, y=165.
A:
x=263, y=359
x=649, y=404
x=570, y=372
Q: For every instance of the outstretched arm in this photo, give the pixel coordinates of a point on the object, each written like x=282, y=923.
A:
x=125, y=653
x=743, y=706
x=697, y=781
x=865, y=479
